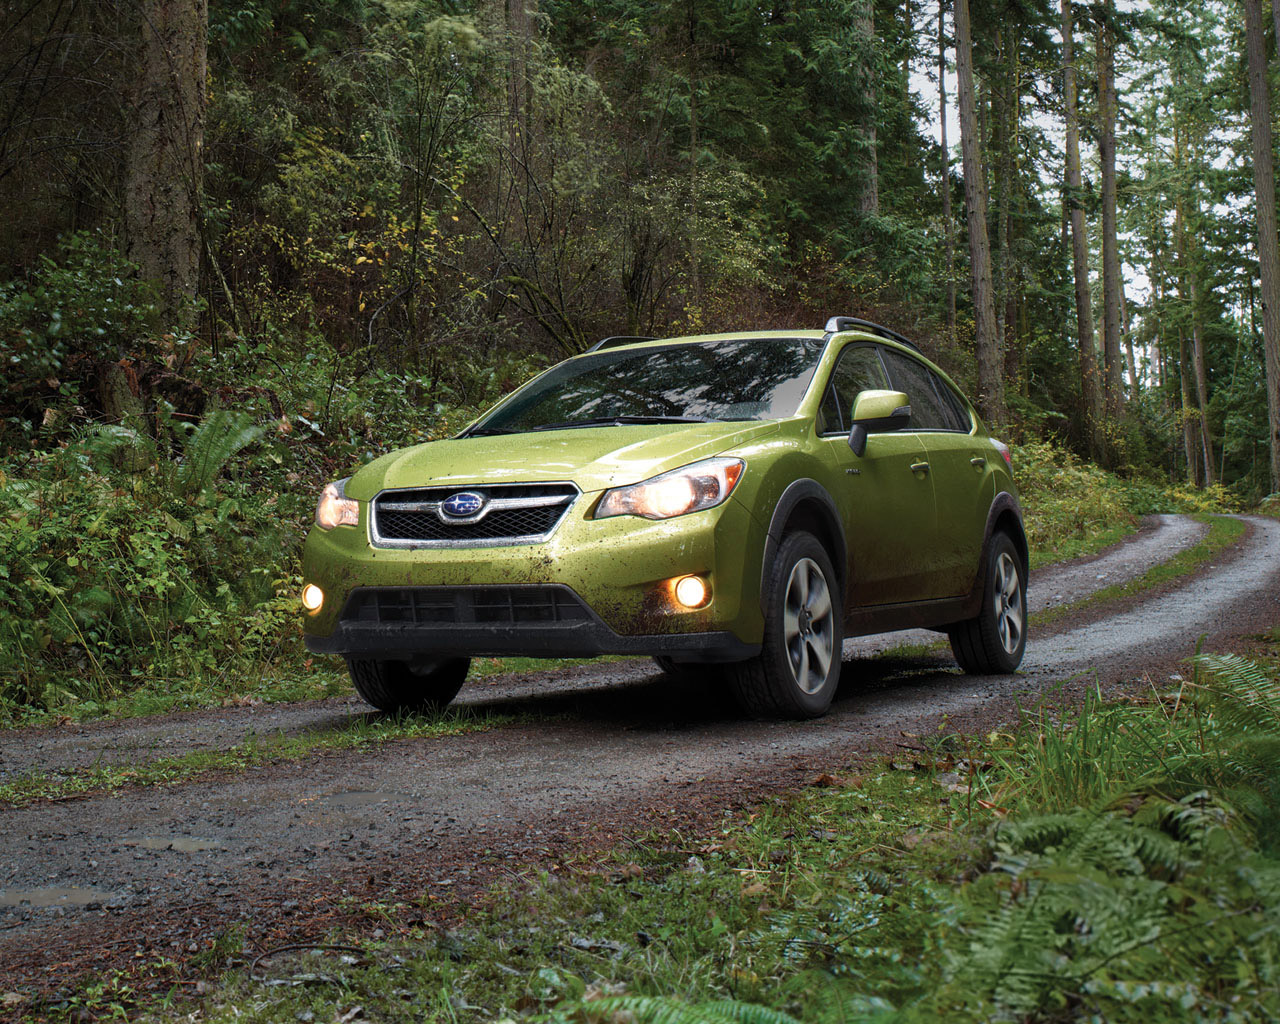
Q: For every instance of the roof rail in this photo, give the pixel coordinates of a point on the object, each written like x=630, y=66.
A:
x=616, y=340
x=849, y=323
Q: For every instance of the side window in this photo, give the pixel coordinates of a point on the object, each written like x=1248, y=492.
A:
x=916, y=380
x=859, y=369
x=958, y=414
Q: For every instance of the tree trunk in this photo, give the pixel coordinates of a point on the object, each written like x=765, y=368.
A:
x=1268, y=253
x=1190, y=432
x=1085, y=336
x=1202, y=382
x=990, y=380
x=164, y=162
x=695, y=200
x=1129, y=359
x=864, y=22
x=948, y=224
x=1000, y=153
x=1113, y=381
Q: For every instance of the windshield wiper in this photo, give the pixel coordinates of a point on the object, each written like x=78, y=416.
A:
x=617, y=421
x=487, y=431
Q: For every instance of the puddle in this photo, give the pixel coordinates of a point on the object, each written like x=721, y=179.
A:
x=53, y=897
x=182, y=844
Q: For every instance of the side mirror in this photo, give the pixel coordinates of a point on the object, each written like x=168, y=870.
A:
x=877, y=412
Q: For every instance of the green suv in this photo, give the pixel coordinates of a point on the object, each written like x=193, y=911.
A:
x=743, y=501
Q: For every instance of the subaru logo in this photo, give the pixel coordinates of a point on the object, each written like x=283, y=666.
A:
x=463, y=504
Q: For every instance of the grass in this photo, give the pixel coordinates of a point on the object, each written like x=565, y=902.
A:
x=314, y=680
x=254, y=751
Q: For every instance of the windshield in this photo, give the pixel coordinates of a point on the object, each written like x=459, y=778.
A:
x=747, y=379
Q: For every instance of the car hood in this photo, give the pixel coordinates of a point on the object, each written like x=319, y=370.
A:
x=592, y=457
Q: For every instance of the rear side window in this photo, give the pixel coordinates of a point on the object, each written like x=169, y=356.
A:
x=953, y=402
x=859, y=369
x=930, y=410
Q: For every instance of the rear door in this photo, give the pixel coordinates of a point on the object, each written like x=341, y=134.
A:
x=958, y=466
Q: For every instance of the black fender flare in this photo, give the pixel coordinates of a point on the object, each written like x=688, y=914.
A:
x=1005, y=507
x=798, y=491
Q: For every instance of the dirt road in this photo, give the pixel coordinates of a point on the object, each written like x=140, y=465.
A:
x=159, y=870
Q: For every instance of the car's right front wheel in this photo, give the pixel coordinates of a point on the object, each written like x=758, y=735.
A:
x=798, y=668
x=419, y=686
x=992, y=642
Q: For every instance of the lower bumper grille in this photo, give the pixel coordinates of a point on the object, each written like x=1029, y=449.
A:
x=442, y=606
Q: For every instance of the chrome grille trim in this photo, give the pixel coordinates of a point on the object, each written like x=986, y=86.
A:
x=428, y=501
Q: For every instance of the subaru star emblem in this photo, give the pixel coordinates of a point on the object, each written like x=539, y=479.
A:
x=463, y=504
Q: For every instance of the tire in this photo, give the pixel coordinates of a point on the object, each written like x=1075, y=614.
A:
x=796, y=673
x=992, y=643
x=394, y=686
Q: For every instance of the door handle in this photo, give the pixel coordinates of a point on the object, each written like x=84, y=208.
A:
x=978, y=463
x=920, y=467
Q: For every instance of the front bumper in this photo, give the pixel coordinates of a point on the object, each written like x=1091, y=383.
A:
x=618, y=569
x=579, y=635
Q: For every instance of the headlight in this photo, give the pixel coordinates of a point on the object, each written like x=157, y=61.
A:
x=688, y=489
x=335, y=508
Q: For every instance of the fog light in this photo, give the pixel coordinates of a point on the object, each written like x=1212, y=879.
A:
x=692, y=591
x=312, y=597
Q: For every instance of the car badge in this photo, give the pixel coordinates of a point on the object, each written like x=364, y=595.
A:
x=463, y=504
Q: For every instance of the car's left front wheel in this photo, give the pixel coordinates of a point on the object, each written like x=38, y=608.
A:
x=798, y=669
x=408, y=686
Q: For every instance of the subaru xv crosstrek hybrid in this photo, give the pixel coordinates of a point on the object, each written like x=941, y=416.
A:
x=743, y=501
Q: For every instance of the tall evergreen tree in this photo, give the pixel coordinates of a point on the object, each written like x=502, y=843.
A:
x=1072, y=199
x=986, y=337
x=1265, y=189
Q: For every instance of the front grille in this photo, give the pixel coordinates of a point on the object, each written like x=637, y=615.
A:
x=511, y=513
x=446, y=606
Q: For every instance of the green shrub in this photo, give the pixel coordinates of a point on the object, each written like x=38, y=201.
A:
x=85, y=303
x=1065, y=501
x=109, y=579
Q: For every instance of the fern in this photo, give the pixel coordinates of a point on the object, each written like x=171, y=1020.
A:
x=664, y=1010
x=221, y=434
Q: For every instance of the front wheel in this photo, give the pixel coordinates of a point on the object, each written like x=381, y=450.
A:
x=408, y=686
x=992, y=643
x=796, y=673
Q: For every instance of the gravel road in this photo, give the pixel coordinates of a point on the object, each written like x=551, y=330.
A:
x=157, y=869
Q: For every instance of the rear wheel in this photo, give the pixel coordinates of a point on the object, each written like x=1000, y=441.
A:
x=992, y=642
x=427, y=685
x=797, y=670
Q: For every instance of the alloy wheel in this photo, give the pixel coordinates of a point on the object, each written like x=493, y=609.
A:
x=808, y=626
x=1008, y=603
